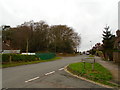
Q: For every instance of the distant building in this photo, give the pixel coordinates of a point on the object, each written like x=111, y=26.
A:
x=117, y=41
x=11, y=51
x=6, y=48
x=5, y=27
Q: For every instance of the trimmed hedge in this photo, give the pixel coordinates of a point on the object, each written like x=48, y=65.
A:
x=18, y=57
x=25, y=58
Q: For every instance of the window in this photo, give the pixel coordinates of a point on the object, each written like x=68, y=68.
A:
x=119, y=44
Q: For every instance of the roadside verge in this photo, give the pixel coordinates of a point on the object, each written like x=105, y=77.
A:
x=66, y=69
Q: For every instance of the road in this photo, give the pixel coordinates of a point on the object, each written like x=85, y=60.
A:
x=44, y=75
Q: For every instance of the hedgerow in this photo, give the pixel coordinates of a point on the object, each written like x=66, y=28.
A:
x=18, y=57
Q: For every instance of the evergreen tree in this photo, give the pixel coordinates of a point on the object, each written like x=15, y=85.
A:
x=108, y=41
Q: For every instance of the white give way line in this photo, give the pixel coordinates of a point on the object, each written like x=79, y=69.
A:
x=50, y=73
x=61, y=69
x=32, y=79
x=44, y=74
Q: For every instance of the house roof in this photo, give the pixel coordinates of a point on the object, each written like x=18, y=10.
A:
x=117, y=39
x=6, y=46
x=118, y=33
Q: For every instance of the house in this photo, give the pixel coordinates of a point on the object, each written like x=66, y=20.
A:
x=5, y=27
x=116, y=52
x=6, y=48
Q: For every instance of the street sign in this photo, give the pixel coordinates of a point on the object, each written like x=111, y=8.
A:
x=89, y=59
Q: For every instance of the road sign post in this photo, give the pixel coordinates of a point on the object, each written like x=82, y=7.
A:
x=93, y=65
x=89, y=60
x=83, y=63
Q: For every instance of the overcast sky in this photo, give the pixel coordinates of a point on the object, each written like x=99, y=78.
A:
x=87, y=17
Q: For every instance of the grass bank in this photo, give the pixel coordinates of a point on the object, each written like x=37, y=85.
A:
x=12, y=64
x=99, y=74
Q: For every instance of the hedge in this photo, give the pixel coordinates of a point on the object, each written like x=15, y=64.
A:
x=45, y=56
x=18, y=57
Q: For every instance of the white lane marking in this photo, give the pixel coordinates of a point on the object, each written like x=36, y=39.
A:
x=49, y=73
x=32, y=79
x=61, y=69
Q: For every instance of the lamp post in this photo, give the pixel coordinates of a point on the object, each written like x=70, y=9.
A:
x=91, y=44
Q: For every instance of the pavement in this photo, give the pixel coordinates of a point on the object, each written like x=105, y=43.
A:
x=44, y=75
x=112, y=67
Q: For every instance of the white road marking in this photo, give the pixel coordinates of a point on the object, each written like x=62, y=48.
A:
x=45, y=74
x=32, y=79
x=49, y=73
x=61, y=69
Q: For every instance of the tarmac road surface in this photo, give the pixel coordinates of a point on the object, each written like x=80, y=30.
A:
x=44, y=75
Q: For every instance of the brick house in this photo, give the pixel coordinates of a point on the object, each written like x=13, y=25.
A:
x=116, y=53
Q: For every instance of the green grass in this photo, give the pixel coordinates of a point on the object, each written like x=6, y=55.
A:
x=12, y=64
x=91, y=55
x=99, y=74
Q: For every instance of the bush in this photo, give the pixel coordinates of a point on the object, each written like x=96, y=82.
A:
x=18, y=57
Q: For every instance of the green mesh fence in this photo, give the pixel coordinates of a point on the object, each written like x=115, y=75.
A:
x=45, y=56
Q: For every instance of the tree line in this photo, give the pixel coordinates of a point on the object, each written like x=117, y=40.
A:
x=39, y=36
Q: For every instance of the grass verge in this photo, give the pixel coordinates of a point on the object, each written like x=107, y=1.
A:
x=99, y=74
x=91, y=55
x=12, y=64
